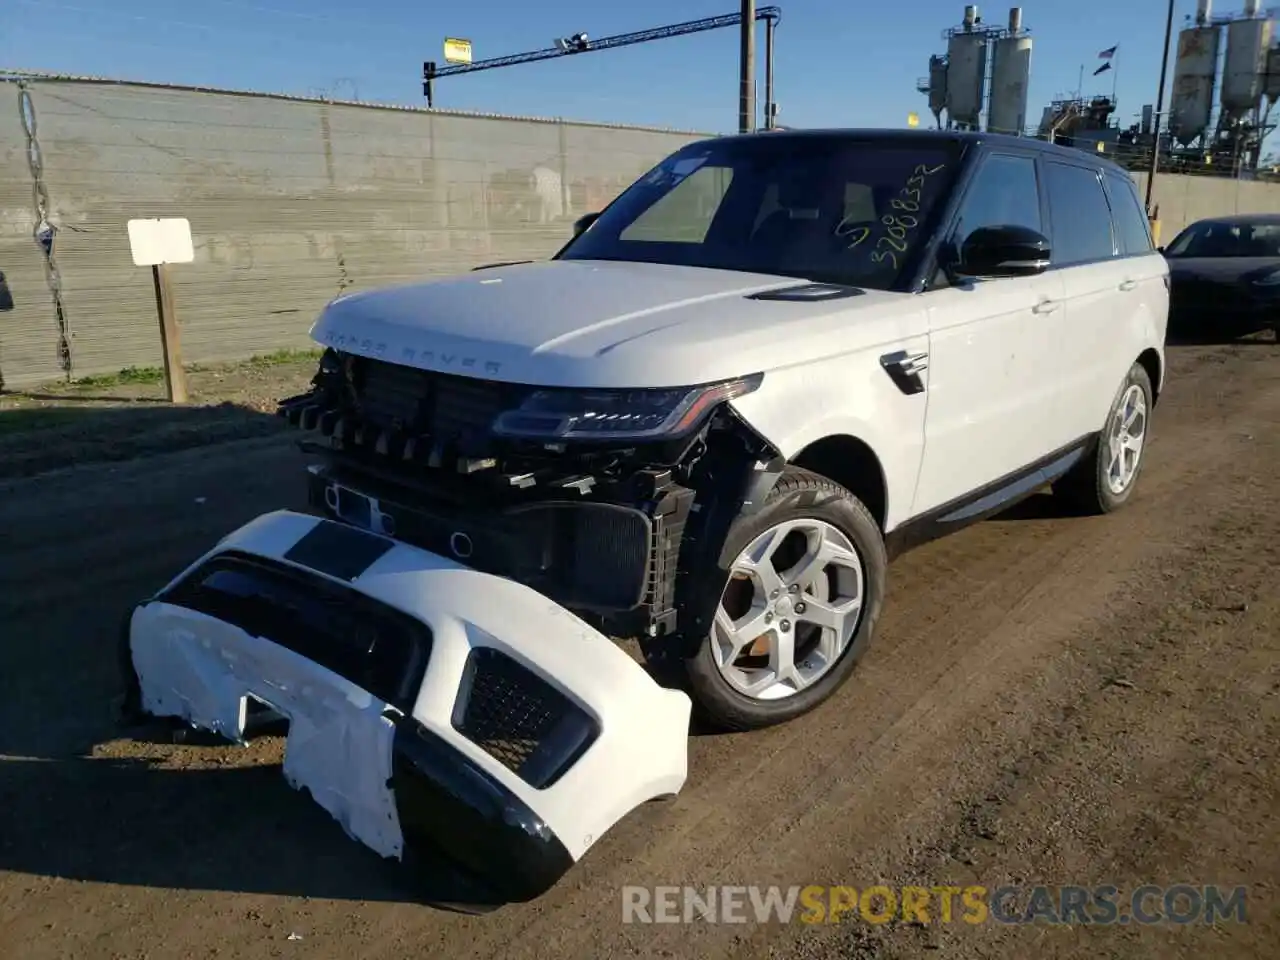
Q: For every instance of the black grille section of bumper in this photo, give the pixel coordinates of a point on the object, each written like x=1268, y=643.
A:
x=389, y=395
x=519, y=719
x=444, y=407
x=374, y=646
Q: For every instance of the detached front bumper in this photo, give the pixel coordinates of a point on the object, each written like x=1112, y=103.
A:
x=434, y=711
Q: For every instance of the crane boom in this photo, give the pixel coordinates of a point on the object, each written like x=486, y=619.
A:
x=605, y=43
x=431, y=72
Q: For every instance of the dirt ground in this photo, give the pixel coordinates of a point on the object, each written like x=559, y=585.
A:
x=127, y=415
x=1050, y=700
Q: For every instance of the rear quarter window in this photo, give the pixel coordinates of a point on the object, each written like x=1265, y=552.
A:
x=1132, y=229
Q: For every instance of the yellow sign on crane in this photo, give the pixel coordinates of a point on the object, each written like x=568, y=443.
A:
x=457, y=50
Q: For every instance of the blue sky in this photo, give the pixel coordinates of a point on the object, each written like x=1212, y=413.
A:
x=839, y=64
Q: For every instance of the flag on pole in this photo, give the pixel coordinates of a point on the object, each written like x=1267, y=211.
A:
x=1108, y=53
x=1102, y=69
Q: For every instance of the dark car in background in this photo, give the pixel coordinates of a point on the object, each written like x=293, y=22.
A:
x=1225, y=277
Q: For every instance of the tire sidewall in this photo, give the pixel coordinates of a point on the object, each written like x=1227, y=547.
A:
x=823, y=500
x=1137, y=376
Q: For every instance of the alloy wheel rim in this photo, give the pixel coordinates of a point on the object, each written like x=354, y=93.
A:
x=1126, y=439
x=792, y=606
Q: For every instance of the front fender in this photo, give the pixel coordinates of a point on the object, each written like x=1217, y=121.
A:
x=847, y=396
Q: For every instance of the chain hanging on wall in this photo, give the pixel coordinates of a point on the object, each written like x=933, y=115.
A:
x=44, y=232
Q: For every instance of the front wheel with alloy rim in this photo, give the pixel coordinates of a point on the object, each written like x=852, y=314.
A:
x=805, y=585
x=1106, y=480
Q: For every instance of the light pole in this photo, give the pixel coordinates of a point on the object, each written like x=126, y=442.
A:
x=747, y=70
x=1155, y=146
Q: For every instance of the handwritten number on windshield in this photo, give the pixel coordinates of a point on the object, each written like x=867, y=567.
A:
x=899, y=224
x=855, y=235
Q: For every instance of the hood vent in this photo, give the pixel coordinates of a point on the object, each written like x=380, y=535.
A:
x=810, y=293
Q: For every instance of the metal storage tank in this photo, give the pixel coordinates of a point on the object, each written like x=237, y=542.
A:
x=966, y=77
x=937, y=85
x=1246, y=64
x=1010, y=77
x=1191, y=103
x=1271, y=86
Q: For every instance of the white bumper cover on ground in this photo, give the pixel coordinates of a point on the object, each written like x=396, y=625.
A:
x=508, y=735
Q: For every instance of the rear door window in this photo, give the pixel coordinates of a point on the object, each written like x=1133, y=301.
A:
x=1082, y=231
x=1132, y=229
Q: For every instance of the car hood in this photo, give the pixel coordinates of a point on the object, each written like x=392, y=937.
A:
x=604, y=323
x=1221, y=269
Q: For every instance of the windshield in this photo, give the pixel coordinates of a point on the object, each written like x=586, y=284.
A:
x=827, y=209
x=1227, y=240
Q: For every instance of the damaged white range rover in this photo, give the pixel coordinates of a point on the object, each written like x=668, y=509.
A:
x=708, y=422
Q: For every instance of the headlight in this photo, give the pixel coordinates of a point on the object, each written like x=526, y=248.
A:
x=1270, y=280
x=591, y=414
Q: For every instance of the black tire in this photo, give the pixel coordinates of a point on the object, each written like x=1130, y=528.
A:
x=1085, y=486
x=798, y=494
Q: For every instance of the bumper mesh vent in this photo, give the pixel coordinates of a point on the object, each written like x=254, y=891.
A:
x=519, y=719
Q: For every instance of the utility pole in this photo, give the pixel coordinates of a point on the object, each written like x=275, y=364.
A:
x=747, y=70
x=770, y=108
x=1155, y=146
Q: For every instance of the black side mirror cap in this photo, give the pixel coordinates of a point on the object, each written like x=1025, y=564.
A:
x=1004, y=251
x=580, y=225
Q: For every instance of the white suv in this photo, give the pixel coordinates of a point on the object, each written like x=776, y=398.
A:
x=770, y=365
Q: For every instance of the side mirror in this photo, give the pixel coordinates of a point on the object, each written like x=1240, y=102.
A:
x=1160, y=250
x=1004, y=251
x=580, y=225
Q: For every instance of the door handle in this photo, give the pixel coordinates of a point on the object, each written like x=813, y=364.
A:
x=1128, y=285
x=1045, y=306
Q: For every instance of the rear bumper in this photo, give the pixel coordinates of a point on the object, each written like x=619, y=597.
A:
x=452, y=714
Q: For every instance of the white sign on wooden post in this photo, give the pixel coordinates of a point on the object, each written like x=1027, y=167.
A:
x=155, y=241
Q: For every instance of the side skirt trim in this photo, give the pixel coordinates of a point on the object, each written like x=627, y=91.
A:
x=988, y=500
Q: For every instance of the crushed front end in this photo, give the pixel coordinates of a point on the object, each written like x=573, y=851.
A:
x=601, y=500
x=437, y=713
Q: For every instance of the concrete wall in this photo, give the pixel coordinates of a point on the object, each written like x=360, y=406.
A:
x=1185, y=199
x=291, y=202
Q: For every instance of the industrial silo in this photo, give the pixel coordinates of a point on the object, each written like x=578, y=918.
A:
x=1244, y=72
x=1194, y=71
x=937, y=87
x=1271, y=83
x=966, y=71
x=1010, y=77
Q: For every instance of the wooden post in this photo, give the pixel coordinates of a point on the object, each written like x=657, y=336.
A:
x=175, y=378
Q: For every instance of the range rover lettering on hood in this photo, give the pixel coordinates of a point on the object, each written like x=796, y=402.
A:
x=432, y=358
x=592, y=324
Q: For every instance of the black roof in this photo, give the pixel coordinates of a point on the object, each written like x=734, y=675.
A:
x=967, y=137
x=1229, y=219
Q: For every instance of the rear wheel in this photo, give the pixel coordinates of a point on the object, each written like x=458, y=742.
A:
x=805, y=588
x=1106, y=480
